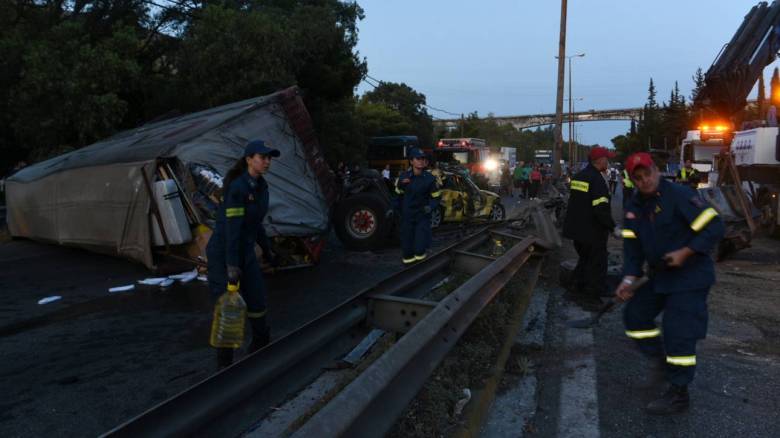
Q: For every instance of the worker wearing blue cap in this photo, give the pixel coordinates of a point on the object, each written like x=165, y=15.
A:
x=231, y=249
x=418, y=196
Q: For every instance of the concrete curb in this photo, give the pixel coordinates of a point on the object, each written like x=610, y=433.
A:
x=477, y=410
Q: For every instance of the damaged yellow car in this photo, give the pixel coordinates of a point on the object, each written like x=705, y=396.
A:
x=462, y=200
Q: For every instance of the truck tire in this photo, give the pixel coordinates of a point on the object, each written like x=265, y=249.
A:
x=361, y=222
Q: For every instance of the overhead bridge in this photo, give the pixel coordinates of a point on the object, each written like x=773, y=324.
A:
x=530, y=121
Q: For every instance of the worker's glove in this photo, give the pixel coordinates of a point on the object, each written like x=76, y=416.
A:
x=427, y=209
x=617, y=232
x=233, y=274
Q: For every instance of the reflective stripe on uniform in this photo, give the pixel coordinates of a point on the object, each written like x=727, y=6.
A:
x=629, y=234
x=399, y=191
x=234, y=212
x=436, y=194
x=581, y=186
x=420, y=257
x=627, y=183
x=256, y=314
x=410, y=260
x=643, y=334
x=703, y=219
x=601, y=200
x=682, y=361
x=683, y=175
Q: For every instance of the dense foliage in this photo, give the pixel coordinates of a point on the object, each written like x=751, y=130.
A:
x=75, y=71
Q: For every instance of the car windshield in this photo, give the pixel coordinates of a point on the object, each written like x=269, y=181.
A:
x=452, y=157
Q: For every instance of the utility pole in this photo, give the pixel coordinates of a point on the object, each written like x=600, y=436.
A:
x=559, y=97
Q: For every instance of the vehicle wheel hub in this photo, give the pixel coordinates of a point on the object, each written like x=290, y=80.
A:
x=362, y=223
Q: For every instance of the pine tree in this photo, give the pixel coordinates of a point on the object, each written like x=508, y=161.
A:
x=698, y=84
x=649, y=129
x=651, y=93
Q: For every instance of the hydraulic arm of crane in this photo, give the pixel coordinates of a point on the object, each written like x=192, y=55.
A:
x=736, y=69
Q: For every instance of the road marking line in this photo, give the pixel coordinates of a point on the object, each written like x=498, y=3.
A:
x=579, y=405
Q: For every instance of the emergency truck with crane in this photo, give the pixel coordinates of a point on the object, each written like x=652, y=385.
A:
x=742, y=167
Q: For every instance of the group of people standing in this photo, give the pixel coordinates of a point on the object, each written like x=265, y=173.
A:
x=527, y=179
x=668, y=234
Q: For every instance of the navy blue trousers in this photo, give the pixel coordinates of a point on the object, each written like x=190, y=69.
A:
x=684, y=323
x=252, y=285
x=416, y=236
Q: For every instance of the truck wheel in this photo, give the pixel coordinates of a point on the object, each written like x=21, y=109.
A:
x=497, y=213
x=437, y=217
x=361, y=223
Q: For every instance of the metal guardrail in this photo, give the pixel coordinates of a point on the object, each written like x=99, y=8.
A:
x=229, y=402
x=370, y=405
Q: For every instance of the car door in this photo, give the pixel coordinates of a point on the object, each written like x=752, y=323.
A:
x=453, y=199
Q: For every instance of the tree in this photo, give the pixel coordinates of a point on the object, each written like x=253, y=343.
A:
x=698, y=84
x=675, y=119
x=649, y=129
x=74, y=72
x=409, y=104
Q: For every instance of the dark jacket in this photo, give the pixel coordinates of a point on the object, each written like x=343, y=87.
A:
x=588, y=217
x=415, y=193
x=240, y=220
x=674, y=218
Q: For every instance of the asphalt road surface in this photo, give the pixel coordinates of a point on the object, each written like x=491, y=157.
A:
x=81, y=365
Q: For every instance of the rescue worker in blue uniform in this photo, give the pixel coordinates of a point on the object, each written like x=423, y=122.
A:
x=688, y=175
x=418, y=195
x=231, y=249
x=671, y=229
x=589, y=223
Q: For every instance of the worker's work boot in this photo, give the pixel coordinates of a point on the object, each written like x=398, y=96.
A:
x=674, y=401
x=224, y=357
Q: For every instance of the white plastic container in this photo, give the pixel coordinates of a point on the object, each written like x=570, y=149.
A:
x=174, y=219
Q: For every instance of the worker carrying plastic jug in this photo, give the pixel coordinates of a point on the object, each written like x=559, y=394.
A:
x=231, y=253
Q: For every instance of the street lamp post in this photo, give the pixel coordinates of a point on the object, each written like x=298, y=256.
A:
x=572, y=149
x=571, y=110
x=571, y=124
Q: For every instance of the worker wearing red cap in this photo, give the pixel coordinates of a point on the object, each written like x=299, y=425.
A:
x=588, y=223
x=671, y=229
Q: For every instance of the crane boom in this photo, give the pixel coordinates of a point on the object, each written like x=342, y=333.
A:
x=738, y=66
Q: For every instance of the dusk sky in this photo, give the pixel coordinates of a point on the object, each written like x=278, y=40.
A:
x=497, y=56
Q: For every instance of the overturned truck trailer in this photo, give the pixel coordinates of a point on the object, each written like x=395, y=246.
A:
x=156, y=188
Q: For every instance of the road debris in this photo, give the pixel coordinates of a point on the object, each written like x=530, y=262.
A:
x=48, y=300
x=152, y=281
x=462, y=402
x=185, y=277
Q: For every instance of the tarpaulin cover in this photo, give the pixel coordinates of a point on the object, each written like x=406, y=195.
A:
x=96, y=197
